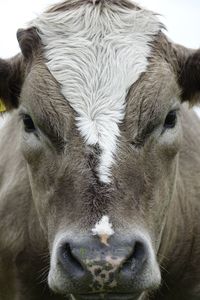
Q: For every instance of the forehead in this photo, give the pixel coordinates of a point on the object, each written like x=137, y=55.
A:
x=96, y=52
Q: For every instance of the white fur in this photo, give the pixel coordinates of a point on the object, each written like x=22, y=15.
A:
x=3, y=119
x=197, y=110
x=96, y=54
x=103, y=227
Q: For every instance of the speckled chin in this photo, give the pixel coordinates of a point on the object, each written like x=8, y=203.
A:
x=107, y=297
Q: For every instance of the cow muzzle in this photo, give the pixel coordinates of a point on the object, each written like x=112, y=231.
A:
x=89, y=269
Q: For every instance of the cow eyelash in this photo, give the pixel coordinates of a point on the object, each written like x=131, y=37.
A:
x=170, y=120
x=29, y=126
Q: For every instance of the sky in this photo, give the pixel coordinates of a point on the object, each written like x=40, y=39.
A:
x=181, y=17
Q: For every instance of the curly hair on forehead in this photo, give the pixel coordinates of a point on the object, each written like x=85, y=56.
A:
x=70, y=4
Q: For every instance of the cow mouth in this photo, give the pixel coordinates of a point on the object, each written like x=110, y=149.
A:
x=108, y=296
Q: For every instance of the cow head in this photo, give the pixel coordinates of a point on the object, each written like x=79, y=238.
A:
x=98, y=89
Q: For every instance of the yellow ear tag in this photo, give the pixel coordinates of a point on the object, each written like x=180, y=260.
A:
x=2, y=106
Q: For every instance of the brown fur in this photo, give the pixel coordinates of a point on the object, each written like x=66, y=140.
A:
x=190, y=76
x=11, y=78
x=29, y=42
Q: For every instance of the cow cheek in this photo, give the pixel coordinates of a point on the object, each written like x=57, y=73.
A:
x=163, y=197
x=42, y=178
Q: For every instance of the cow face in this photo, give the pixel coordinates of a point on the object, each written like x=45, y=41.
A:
x=99, y=91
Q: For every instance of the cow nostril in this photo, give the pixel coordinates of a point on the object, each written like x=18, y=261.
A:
x=69, y=262
x=136, y=259
x=139, y=253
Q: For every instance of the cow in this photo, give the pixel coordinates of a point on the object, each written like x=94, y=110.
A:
x=99, y=158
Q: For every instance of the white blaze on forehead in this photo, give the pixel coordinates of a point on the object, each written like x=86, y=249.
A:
x=103, y=229
x=96, y=53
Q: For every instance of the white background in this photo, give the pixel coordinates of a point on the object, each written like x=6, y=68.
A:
x=181, y=17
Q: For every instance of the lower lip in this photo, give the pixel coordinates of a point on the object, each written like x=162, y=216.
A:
x=106, y=297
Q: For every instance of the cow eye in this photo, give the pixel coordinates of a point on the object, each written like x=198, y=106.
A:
x=28, y=124
x=170, y=120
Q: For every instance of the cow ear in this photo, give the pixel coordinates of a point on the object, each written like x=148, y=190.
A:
x=12, y=71
x=189, y=76
x=11, y=78
x=29, y=42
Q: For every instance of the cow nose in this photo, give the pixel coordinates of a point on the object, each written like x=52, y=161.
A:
x=103, y=266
